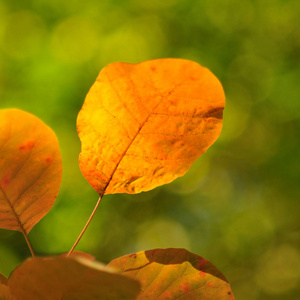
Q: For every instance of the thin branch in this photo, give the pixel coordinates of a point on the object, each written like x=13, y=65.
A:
x=86, y=225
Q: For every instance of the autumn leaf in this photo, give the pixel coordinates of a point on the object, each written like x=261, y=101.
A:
x=173, y=274
x=3, y=279
x=143, y=125
x=5, y=292
x=4, y=289
x=30, y=170
x=75, y=278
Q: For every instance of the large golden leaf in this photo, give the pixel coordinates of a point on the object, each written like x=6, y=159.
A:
x=30, y=169
x=143, y=125
x=174, y=274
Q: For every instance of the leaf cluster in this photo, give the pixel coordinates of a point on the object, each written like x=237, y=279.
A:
x=141, y=126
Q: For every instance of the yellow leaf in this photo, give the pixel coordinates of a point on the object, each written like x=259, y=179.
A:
x=174, y=274
x=30, y=170
x=143, y=125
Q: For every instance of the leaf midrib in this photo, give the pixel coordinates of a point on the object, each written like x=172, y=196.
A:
x=136, y=134
x=13, y=211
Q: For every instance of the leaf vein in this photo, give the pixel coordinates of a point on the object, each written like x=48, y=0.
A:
x=118, y=120
x=154, y=278
x=25, y=163
x=9, y=136
x=13, y=211
x=33, y=183
x=120, y=99
x=154, y=158
x=170, y=134
x=181, y=275
x=133, y=138
x=178, y=116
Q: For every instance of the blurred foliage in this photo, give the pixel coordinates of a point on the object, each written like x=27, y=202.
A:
x=238, y=206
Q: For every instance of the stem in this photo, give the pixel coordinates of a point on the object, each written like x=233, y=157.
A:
x=86, y=225
x=29, y=245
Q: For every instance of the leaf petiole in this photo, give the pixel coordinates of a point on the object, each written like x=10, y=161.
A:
x=86, y=225
x=28, y=244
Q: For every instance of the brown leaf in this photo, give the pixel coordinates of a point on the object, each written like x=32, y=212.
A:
x=73, y=278
x=3, y=279
x=173, y=274
x=30, y=169
x=4, y=289
x=5, y=292
x=143, y=125
x=78, y=253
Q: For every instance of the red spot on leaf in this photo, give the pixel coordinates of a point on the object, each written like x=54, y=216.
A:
x=49, y=159
x=167, y=295
x=185, y=288
x=5, y=181
x=202, y=263
x=27, y=145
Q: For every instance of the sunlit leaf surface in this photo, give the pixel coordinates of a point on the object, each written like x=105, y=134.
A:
x=143, y=125
x=30, y=169
x=174, y=274
x=69, y=278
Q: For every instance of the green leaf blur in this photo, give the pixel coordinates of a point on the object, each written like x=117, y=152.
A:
x=239, y=204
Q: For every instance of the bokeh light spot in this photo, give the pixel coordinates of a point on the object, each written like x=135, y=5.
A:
x=155, y=4
x=279, y=270
x=162, y=233
x=3, y=18
x=189, y=183
x=226, y=17
x=254, y=74
x=248, y=231
x=24, y=35
x=75, y=40
x=236, y=119
x=133, y=42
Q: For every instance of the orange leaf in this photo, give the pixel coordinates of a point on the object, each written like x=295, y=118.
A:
x=30, y=169
x=173, y=274
x=5, y=292
x=4, y=289
x=3, y=279
x=73, y=278
x=143, y=125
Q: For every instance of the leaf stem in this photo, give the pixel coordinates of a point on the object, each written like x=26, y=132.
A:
x=86, y=225
x=28, y=244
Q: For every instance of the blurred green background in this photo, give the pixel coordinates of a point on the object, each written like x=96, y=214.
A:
x=238, y=206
